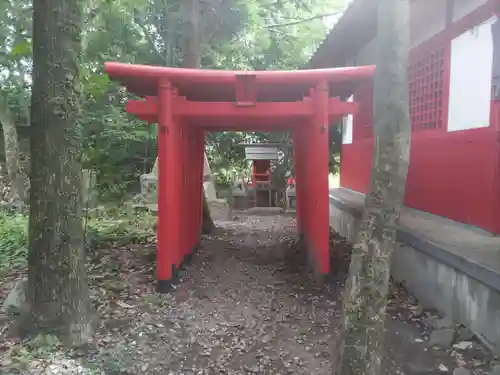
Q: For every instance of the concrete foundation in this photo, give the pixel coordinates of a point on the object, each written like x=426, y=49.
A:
x=447, y=265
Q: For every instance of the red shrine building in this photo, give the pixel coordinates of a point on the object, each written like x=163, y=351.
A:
x=454, y=93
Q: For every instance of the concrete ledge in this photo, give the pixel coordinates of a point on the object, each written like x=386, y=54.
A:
x=446, y=265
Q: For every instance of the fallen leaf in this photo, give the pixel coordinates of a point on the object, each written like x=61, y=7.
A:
x=124, y=305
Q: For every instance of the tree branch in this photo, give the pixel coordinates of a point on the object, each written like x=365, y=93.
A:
x=147, y=35
x=319, y=16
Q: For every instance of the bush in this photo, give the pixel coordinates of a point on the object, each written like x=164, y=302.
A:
x=111, y=227
x=13, y=239
x=120, y=226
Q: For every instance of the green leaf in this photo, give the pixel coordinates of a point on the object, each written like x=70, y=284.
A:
x=23, y=49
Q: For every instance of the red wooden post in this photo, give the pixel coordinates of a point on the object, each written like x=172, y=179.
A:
x=195, y=203
x=306, y=184
x=297, y=172
x=318, y=203
x=200, y=163
x=181, y=160
x=191, y=189
x=169, y=186
x=164, y=258
x=182, y=190
x=184, y=193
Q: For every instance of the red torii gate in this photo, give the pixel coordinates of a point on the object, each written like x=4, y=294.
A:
x=188, y=102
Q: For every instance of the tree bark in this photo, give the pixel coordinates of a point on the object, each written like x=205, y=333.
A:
x=365, y=297
x=191, y=50
x=12, y=154
x=58, y=292
x=192, y=59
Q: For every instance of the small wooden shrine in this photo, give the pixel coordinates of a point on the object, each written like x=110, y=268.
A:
x=260, y=191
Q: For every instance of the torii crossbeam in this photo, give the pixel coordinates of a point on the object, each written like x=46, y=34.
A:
x=188, y=102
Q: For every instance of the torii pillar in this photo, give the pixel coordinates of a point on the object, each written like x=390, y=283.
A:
x=265, y=101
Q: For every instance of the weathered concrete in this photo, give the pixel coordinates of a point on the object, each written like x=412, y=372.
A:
x=149, y=183
x=208, y=182
x=219, y=209
x=446, y=265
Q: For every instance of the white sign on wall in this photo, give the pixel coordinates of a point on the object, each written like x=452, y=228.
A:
x=470, y=78
x=347, y=126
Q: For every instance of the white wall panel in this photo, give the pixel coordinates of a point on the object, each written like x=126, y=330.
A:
x=347, y=126
x=470, y=78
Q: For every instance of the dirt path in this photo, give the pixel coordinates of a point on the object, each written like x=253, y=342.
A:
x=246, y=304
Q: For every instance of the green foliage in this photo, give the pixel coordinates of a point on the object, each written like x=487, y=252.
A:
x=23, y=355
x=22, y=49
x=13, y=239
x=121, y=226
x=119, y=149
x=113, y=226
x=236, y=34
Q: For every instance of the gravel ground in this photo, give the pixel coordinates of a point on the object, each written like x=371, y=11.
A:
x=246, y=305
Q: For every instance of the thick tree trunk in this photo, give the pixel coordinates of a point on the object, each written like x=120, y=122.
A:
x=192, y=59
x=57, y=285
x=12, y=155
x=366, y=291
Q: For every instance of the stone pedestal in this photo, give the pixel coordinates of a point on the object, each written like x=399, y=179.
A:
x=239, y=200
x=148, y=188
x=208, y=183
x=290, y=198
x=219, y=208
x=239, y=195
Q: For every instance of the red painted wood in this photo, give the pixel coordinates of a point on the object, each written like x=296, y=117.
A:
x=305, y=183
x=200, y=149
x=195, y=183
x=186, y=190
x=296, y=139
x=355, y=165
x=454, y=175
x=191, y=102
x=165, y=257
x=337, y=107
x=197, y=154
x=260, y=170
x=196, y=186
x=218, y=110
x=319, y=205
x=219, y=85
x=246, y=90
x=363, y=118
x=189, y=189
x=457, y=174
x=426, y=81
x=184, y=168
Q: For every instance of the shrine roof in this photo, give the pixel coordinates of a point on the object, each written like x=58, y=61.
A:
x=267, y=144
x=356, y=27
x=219, y=85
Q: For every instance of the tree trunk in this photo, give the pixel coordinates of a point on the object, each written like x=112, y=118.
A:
x=12, y=155
x=366, y=291
x=191, y=50
x=58, y=292
x=192, y=59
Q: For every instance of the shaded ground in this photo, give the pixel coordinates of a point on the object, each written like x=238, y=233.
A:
x=245, y=305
